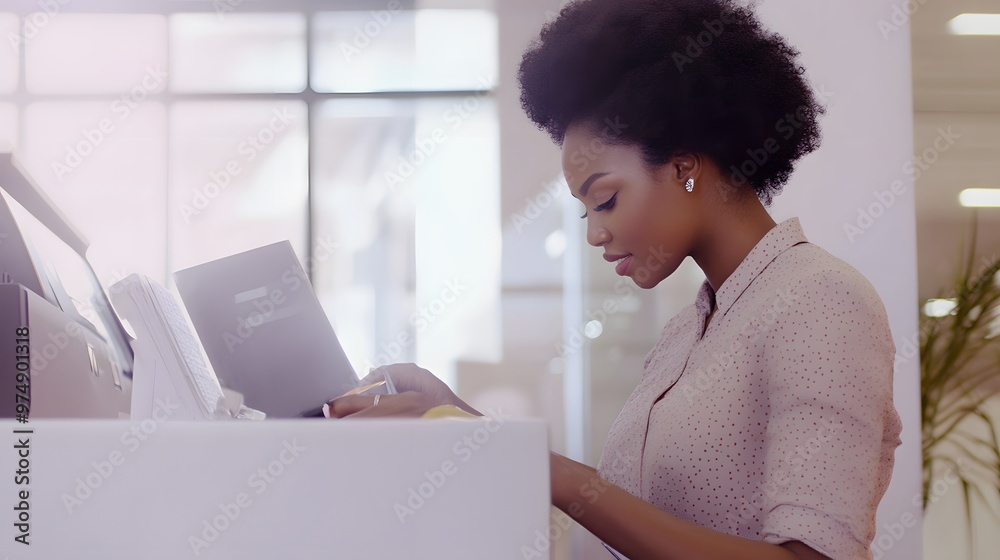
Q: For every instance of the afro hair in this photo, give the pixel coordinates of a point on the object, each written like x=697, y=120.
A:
x=680, y=76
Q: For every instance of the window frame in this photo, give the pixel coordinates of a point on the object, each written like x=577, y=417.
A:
x=20, y=98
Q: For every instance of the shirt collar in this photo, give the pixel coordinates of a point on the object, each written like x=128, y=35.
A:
x=776, y=241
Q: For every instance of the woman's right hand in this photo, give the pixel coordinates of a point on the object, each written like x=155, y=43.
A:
x=410, y=377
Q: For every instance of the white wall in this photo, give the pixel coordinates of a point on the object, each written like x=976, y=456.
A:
x=868, y=137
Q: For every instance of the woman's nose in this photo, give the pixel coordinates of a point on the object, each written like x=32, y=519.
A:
x=597, y=235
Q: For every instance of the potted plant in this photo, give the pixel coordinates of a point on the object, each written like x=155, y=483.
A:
x=959, y=372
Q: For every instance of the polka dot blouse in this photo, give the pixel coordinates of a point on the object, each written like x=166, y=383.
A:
x=778, y=423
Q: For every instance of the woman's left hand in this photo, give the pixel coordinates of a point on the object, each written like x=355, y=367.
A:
x=410, y=404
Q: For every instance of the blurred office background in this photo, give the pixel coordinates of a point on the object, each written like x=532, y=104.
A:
x=956, y=87
x=385, y=139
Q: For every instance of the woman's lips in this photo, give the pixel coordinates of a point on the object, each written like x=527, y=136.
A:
x=622, y=267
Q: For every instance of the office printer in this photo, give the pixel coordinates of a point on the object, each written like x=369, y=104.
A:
x=77, y=352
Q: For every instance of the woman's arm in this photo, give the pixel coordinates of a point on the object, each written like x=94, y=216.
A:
x=639, y=530
x=634, y=527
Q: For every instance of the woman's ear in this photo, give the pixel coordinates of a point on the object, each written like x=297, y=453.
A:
x=684, y=165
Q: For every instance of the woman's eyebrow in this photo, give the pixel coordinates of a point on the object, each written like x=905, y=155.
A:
x=590, y=181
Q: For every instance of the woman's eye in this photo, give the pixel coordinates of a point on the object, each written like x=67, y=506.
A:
x=606, y=206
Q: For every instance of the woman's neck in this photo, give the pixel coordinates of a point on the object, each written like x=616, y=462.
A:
x=730, y=239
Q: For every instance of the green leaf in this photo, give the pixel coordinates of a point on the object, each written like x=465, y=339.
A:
x=957, y=364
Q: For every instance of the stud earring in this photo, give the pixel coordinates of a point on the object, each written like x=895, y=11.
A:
x=689, y=185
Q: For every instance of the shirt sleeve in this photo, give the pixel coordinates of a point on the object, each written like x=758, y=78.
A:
x=832, y=427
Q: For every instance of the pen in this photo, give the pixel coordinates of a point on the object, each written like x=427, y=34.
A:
x=390, y=388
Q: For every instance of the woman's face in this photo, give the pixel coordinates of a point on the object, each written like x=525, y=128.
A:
x=643, y=219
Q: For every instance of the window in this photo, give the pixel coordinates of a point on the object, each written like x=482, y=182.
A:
x=172, y=134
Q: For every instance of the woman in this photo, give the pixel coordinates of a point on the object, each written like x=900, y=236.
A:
x=763, y=426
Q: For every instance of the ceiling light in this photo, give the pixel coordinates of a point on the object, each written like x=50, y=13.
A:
x=980, y=198
x=975, y=24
